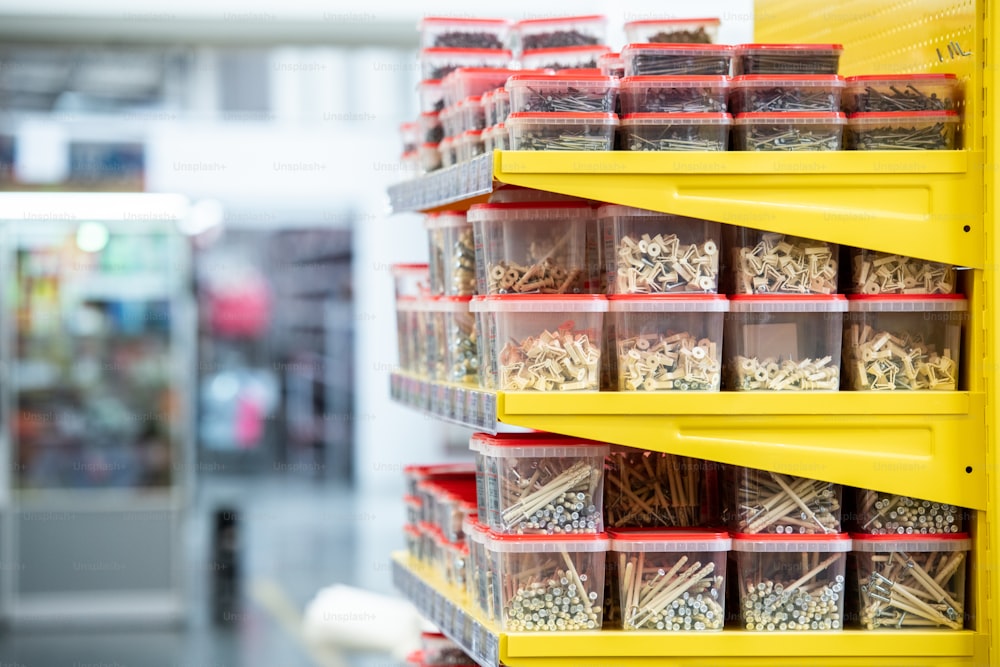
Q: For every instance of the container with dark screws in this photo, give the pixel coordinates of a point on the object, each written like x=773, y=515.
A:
x=901, y=92
x=673, y=31
x=786, y=92
x=789, y=131
x=564, y=58
x=674, y=94
x=903, y=131
x=464, y=33
x=560, y=32
x=562, y=93
x=674, y=59
x=676, y=131
x=562, y=131
x=438, y=62
x=788, y=58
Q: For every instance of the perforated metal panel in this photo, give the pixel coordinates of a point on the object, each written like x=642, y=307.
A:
x=889, y=37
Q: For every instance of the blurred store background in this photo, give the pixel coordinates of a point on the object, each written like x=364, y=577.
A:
x=195, y=385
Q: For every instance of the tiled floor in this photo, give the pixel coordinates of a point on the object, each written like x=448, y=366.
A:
x=296, y=537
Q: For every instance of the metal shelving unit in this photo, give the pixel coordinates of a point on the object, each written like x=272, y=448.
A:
x=938, y=206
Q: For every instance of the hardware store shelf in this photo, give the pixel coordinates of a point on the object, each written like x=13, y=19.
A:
x=446, y=607
x=895, y=442
x=926, y=205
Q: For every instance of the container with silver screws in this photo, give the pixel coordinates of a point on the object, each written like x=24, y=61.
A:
x=788, y=58
x=670, y=580
x=891, y=514
x=789, y=131
x=912, y=581
x=903, y=131
x=675, y=94
x=549, y=583
x=771, y=502
x=677, y=59
x=675, y=131
x=786, y=92
x=791, y=582
x=545, y=485
x=901, y=92
x=562, y=131
x=562, y=92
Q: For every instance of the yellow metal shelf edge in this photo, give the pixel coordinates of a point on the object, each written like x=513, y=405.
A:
x=928, y=447
x=926, y=204
x=733, y=647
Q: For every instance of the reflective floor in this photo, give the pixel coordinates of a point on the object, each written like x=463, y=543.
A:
x=295, y=538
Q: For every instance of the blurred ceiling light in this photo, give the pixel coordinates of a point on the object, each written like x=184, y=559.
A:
x=91, y=236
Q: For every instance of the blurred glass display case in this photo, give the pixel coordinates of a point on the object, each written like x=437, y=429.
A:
x=98, y=357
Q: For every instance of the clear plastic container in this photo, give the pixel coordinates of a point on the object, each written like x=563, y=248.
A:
x=791, y=583
x=561, y=31
x=912, y=581
x=430, y=158
x=673, y=31
x=565, y=58
x=439, y=651
x=789, y=131
x=451, y=121
x=489, y=141
x=462, y=354
x=454, y=251
x=411, y=280
x=676, y=131
x=449, y=151
x=456, y=572
x=665, y=342
x=674, y=59
x=544, y=484
x=470, y=144
x=406, y=331
x=548, y=342
x=471, y=115
x=501, y=137
x=772, y=263
x=437, y=63
x=565, y=92
x=410, y=135
x=902, y=92
x=894, y=342
x=487, y=335
x=411, y=537
x=431, y=95
x=474, y=542
x=674, y=94
x=474, y=81
x=656, y=490
x=409, y=162
x=431, y=129
x=783, y=343
x=684, y=256
x=489, y=108
x=671, y=580
x=903, y=131
x=501, y=102
x=788, y=58
x=414, y=509
x=874, y=272
x=786, y=92
x=881, y=513
x=531, y=247
x=436, y=353
x=464, y=33
x=775, y=503
x=611, y=64
x=562, y=131
x=531, y=567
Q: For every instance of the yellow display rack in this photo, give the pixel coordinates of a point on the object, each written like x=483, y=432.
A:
x=937, y=206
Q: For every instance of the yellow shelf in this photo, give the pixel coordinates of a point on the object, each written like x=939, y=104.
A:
x=926, y=205
x=448, y=607
x=902, y=442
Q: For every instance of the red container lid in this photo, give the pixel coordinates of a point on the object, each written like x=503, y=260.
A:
x=561, y=19
x=929, y=76
x=466, y=21
x=668, y=540
x=946, y=115
x=589, y=71
x=835, y=117
x=655, y=46
x=674, y=303
x=710, y=20
x=593, y=543
x=579, y=116
x=901, y=303
x=492, y=54
x=922, y=542
x=580, y=48
x=412, y=500
x=686, y=118
x=581, y=75
x=824, y=79
x=780, y=543
x=677, y=81
x=788, y=303
x=547, y=303
x=792, y=47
